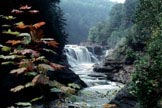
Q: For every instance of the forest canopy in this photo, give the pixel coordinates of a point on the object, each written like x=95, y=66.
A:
x=83, y=14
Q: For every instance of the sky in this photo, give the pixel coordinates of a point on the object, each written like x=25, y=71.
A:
x=119, y=1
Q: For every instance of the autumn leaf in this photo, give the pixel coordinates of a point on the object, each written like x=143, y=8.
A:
x=17, y=11
x=21, y=25
x=40, y=79
x=62, y=87
x=27, y=64
x=52, y=43
x=33, y=11
x=9, y=32
x=44, y=68
x=56, y=66
x=27, y=51
x=68, y=90
x=39, y=24
x=26, y=7
x=36, y=34
x=14, y=42
x=19, y=71
x=41, y=58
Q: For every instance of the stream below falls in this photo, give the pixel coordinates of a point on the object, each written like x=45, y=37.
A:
x=99, y=91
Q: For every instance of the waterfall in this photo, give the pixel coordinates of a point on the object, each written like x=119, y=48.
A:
x=78, y=54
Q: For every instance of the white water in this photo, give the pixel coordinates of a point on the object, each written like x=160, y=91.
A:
x=79, y=55
x=100, y=90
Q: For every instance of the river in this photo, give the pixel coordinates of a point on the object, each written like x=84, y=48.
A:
x=99, y=91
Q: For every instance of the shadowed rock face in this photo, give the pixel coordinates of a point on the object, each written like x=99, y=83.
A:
x=115, y=70
x=119, y=72
x=124, y=99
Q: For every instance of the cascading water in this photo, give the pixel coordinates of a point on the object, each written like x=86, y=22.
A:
x=100, y=90
x=79, y=55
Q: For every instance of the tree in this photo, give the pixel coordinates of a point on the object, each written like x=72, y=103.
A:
x=25, y=64
x=146, y=81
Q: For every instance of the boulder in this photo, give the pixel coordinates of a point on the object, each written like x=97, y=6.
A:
x=115, y=70
x=67, y=76
x=124, y=99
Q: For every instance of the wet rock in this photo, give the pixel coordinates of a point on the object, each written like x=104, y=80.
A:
x=67, y=76
x=103, y=69
x=115, y=70
x=124, y=99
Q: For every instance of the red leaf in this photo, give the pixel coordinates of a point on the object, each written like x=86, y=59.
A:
x=18, y=71
x=33, y=11
x=40, y=79
x=39, y=24
x=17, y=11
x=36, y=34
x=53, y=43
x=57, y=66
x=28, y=64
x=26, y=7
x=14, y=42
x=27, y=51
x=21, y=25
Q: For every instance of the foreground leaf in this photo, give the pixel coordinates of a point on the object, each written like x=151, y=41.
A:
x=25, y=7
x=53, y=43
x=27, y=51
x=33, y=11
x=63, y=88
x=73, y=85
x=6, y=26
x=7, y=63
x=17, y=89
x=44, y=68
x=39, y=24
x=56, y=66
x=36, y=99
x=56, y=90
x=11, y=57
x=9, y=17
x=23, y=104
x=40, y=79
x=31, y=74
x=36, y=34
x=14, y=42
x=9, y=32
x=19, y=71
x=49, y=50
x=6, y=49
x=21, y=25
x=17, y=11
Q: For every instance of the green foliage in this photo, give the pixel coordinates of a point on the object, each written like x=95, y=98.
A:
x=111, y=31
x=25, y=52
x=82, y=15
x=146, y=81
